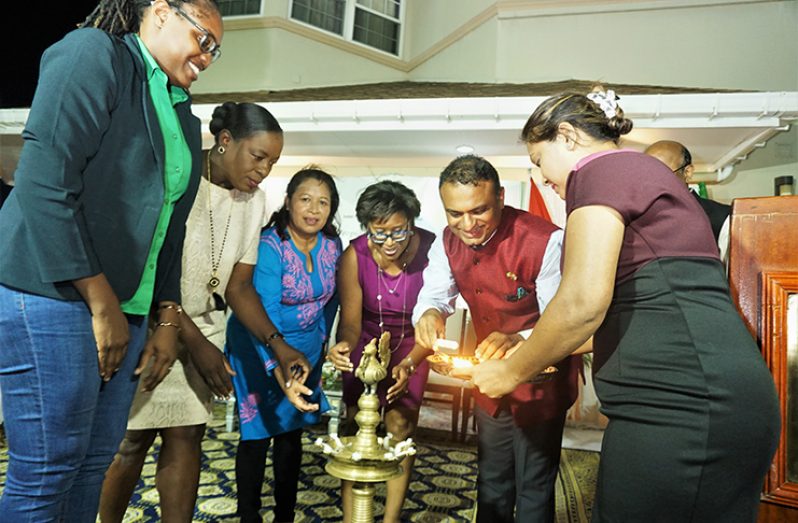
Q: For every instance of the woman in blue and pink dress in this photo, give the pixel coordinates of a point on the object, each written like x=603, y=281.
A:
x=379, y=281
x=295, y=278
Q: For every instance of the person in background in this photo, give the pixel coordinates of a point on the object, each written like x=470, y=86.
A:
x=295, y=280
x=219, y=256
x=92, y=242
x=680, y=162
x=674, y=366
x=378, y=282
x=506, y=265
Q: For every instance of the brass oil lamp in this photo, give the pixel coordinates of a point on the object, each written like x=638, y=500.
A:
x=366, y=459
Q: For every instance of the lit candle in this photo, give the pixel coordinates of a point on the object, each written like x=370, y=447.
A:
x=445, y=346
x=462, y=363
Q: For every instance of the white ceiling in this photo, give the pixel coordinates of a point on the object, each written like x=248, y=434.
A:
x=719, y=129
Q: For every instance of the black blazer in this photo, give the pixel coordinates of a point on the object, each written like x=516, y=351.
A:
x=89, y=183
x=716, y=212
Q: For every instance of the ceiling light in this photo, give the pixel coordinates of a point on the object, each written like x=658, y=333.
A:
x=464, y=149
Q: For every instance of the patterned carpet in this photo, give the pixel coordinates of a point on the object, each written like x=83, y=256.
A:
x=443, y=487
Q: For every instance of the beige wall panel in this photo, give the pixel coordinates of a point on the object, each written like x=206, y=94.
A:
x=738, y=46
x=265, y=59
x=471, y=59
x=429, y=21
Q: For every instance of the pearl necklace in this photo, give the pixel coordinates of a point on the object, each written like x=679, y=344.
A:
x=381, y=280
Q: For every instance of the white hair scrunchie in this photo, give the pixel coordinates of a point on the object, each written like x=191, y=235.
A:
x=606, y=101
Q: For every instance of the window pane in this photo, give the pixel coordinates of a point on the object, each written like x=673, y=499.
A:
x=376, y=31
x=238, y=7
x=386, y=7
x=324, y=14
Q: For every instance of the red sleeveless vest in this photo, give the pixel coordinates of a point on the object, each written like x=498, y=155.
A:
x=497, y=281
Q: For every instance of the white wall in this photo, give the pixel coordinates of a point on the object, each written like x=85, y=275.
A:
x=725, y=46
x=737, y=45
x=754, y=176
x=741, y=46
x=734, y=45
x=275, y=59
x=471, y=59
x=350, y=187
x=429, y=21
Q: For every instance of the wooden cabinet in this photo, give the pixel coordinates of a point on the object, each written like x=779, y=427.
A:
x=763, y=275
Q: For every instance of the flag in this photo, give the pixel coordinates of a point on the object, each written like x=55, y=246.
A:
x=536, y=204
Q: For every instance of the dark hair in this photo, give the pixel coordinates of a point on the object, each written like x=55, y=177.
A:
x=470, y=170
x=687, y=158
x=280, y=218
x=382, y=199
x=242, y=120
x=579, y=111
x=119, y=17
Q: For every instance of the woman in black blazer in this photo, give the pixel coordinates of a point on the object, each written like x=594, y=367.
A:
x=92, y=244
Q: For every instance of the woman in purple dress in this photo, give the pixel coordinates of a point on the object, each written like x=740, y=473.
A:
x=694, y=415
x=379, y=279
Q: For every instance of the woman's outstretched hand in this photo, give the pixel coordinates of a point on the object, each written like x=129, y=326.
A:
x=213, y=367
x=293, y=363
x=339, y=356
x=296, y=392
x=401, y=374
x=160, y=353
x=494, y=378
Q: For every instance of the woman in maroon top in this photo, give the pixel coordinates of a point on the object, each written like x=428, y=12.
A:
x=675, y=369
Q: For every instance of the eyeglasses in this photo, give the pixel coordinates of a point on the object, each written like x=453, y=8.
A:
x=398, y=236
x=206, y=40
x=675, y=171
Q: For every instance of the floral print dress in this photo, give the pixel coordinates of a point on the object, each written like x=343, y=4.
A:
x=302, y=305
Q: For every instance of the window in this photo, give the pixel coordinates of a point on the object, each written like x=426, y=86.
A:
x=324, y=14
x=238, y=7
x=375, y=23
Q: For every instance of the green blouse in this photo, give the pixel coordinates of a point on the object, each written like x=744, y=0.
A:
x=177, y=170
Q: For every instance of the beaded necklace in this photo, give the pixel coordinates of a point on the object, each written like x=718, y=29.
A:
x=214, y=282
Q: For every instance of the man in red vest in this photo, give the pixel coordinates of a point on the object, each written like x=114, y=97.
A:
x=505, y=263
